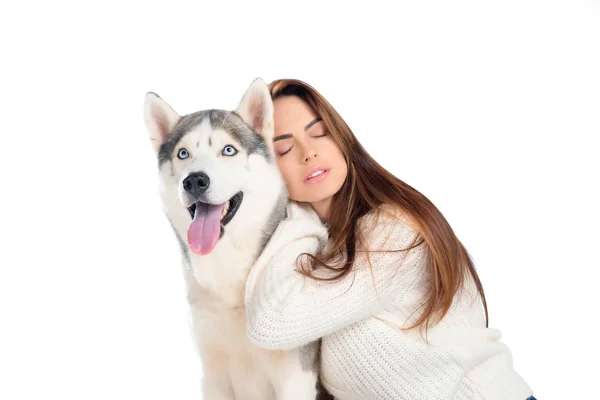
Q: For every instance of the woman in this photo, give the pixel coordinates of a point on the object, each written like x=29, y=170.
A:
x=381, y=276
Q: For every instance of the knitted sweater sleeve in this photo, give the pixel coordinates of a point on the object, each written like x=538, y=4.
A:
x=286, y=310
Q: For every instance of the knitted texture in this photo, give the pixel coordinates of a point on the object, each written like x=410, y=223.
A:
x=365, y=354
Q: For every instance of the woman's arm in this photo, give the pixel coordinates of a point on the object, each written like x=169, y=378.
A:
x=287, y=310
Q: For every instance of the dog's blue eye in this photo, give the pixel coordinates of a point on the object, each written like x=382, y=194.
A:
x=229, y=151
x=183, y=154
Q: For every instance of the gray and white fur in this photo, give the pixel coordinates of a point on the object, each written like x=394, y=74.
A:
x=234, y=368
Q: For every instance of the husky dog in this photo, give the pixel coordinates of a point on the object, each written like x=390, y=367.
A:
x=224, y=196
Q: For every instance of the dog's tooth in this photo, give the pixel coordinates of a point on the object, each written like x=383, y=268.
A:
x=225, y=209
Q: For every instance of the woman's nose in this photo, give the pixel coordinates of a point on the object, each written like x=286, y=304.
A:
x=308, y=154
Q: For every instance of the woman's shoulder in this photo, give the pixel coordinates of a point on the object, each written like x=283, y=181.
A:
x=387, y=220
x=386, y=214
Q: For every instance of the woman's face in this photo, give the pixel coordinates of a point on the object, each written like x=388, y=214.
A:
x=311, y=162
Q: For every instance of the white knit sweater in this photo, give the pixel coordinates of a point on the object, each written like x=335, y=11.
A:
x=364, y=354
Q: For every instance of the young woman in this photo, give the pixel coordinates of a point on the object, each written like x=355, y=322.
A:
x=371, y=266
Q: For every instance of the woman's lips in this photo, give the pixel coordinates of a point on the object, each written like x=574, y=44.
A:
x=318, y=178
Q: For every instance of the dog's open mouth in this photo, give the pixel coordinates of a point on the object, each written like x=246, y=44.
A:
x=229, y=208
x=208, y=222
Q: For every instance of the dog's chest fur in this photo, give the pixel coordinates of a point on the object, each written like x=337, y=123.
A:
x=227, y=354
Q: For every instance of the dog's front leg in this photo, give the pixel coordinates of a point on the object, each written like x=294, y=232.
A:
x=299, y=385
x=216, y=386
x=297, y=374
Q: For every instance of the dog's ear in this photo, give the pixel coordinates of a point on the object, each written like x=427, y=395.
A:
x=256, y=108
x=160, y=119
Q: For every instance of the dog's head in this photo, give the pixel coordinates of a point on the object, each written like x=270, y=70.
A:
x=212, y=163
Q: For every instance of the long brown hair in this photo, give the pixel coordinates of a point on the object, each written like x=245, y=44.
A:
x=368, y=185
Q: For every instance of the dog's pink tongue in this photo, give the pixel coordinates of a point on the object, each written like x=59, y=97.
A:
x=205, y=229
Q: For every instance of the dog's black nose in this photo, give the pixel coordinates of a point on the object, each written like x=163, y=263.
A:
x=196, y=183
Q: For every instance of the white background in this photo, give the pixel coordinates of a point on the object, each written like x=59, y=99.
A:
x=492, y=110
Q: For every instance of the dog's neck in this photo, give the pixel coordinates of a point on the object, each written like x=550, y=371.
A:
x=223, y=273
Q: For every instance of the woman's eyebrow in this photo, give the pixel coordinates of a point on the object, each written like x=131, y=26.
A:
x=289, y=135
x=281, y=137
x=311, y=123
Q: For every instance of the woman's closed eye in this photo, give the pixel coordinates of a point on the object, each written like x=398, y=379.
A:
x=318, y=132
x=282, y=152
